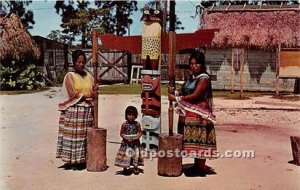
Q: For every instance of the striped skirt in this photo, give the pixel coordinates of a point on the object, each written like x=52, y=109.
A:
x=72, y=133
x=129, y=155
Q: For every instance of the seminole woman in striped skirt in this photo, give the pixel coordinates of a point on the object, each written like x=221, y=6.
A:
x=76, y=113
x=196, y=120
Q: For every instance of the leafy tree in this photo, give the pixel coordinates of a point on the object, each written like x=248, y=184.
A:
x=58, y=36
x=117, y=20
x=18, y=8
x=78, y=19
x=68, y=13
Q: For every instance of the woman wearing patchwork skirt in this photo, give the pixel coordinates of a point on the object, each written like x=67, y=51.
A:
x=76, y=113
x=196, y=120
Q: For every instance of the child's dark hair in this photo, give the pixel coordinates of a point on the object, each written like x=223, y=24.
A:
x=76, y=54
x=131, y=109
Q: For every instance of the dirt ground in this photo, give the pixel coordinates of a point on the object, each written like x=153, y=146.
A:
x=28, y=135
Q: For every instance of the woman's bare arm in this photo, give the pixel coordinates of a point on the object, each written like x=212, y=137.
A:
x=69, y=84
x=200, y=89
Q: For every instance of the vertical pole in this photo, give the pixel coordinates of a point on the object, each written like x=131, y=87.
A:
x=164, y=29
x=232, y=70
x=277, y=70
x=96, y=137
x=172, y=16
x=95, y=69
x=241, y=58
x=171, y=75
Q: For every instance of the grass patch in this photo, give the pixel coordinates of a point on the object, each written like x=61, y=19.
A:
x=120, y=89
x=17, y=92
x=127, y=89
x=136, y=90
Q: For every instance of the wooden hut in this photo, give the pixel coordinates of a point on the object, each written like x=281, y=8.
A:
x=54, y=57
x=244, y=53
x=16, y=42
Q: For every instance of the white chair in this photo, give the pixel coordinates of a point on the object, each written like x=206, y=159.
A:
x=136, y=78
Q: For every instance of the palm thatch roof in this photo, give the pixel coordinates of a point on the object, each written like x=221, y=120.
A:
x=254, y=26
x=16, y=42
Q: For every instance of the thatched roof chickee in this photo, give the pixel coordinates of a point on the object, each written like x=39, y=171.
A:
x=254, y=26
x=16, y=42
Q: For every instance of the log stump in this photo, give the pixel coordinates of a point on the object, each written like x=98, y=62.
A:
x=295, y=142
x=96, y=150
x=167, y=165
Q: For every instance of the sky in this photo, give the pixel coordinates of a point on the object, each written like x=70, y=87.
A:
x=46, y=18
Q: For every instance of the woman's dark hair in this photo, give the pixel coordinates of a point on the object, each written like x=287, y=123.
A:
x=131, y=109
x=200, y=59
x=76, y=54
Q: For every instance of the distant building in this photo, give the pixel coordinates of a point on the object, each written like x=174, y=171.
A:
x=54, y=57
x=253, y=34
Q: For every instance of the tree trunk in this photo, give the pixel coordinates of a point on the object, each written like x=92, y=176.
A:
x=172, y=15
x=83, y=37
x=96, y=150
x=295, y=142
x=170, y=166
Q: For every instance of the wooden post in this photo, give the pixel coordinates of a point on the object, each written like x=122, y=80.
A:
x=96, y=137
x=295, y=142
x=241, y=59
x=164, y=29
x=232, y=70
x=169, y=165
x=95, y=70
x=171, y=75
x=96, y=150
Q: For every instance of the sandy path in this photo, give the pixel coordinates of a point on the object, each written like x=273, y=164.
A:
x=28, y=134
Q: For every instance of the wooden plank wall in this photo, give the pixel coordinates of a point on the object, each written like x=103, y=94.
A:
x=259, y=71
x=112, y=74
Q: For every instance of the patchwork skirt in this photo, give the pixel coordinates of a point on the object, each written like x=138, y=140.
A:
x=129, y=155
x=199, y=137
x=72, y=133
